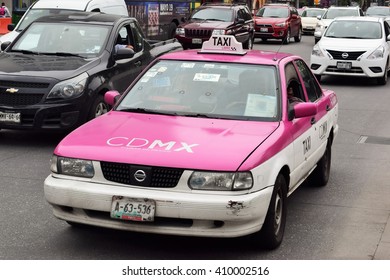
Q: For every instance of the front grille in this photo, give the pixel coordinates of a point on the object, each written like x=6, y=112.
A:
x=23, y=84
x=160, y=177
x=339, y=55
x=15, y=99
x=198, y=33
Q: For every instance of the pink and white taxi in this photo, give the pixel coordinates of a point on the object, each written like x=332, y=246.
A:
x=203, y=143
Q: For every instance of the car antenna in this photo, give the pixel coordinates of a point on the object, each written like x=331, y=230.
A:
x=283, y=41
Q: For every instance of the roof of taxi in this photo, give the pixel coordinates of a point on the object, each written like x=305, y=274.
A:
x=251, y=56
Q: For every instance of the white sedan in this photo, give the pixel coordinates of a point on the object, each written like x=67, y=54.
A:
x=309, y=19
x=353, y=46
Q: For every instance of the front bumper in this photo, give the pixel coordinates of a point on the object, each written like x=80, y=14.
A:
x=270, y=33
x=211, y=214
x=371, y=68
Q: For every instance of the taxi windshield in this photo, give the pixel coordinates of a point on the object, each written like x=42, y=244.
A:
x=206, y=89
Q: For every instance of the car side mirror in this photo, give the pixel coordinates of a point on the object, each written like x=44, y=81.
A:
x=11, y=27
x=5, y=45
x=318, y=17
x=388, y=38
x=304, y=109
x=124, y=53
x=111, y=97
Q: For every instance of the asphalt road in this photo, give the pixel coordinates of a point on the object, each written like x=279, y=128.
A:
x=346, y=220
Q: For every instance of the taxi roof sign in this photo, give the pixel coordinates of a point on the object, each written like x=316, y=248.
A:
x=226, y=44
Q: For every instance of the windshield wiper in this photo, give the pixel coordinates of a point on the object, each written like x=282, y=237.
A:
x=64, y=54
x=147, y=111
x=25, y=51
x=215, y=19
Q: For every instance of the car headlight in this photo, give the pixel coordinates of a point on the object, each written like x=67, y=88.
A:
x=378, y=53
x=219, y=32
x=220, y=181
x=71, y=88
x=180, y=31
x=317, y=51
x=72, y=167
x=282, y=24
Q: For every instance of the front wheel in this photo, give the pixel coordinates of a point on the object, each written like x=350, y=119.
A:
x=288, y=37
x=275, y=221
x=98, y=108
x=383, y=80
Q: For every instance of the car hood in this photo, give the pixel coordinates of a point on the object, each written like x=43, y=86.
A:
x=309, y=20
x=349, y=44
x=325, y=21
x=206, y=24
x=172, y=141
x=58, y=67
x=263, y=20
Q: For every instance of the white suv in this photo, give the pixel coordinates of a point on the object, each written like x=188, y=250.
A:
x=331, y=14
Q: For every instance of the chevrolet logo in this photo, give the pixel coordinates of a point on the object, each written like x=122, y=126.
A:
x=12, y=90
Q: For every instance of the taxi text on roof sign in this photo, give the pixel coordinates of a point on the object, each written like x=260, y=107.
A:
x=226, y=44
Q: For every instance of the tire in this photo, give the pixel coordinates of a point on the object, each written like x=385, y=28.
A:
x=272, y=231
x=286, y=40
x=321, y=173
x=264, y=39
x=383, y=80
x=316, y=40
x=298, y=38
x=248, y=45
x=98, y=108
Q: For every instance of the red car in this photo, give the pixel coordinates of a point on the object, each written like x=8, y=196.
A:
x=278, y=21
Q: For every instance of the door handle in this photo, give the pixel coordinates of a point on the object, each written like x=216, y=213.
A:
x=327, y=107
x=138, y=63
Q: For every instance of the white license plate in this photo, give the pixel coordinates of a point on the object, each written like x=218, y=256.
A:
x=263, y=29
x=133, y=209
x=344, y=65
x=10, y=117
x=196, y=41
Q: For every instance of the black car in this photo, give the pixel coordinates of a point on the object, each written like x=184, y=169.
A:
x=55, y=73
x=217, y=19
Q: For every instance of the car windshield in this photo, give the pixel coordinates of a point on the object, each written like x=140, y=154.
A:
x=213, y=14
x=206, y=90
x=354, y=30
x=274, y=12
x=378, y=11
x=63, y=39
x=34, y=14
x=333, y=13
x=312, y=13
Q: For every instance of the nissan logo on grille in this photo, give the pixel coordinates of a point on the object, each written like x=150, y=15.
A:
x=344, y=55
x=140, y=175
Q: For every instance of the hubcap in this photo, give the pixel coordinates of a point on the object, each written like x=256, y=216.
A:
x=278, y=212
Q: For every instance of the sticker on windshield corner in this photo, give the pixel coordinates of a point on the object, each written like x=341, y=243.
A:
x=208, y=66
x=150, y=74
x=260, y=105
x=187, y=65
x=144, y=80
x=162, y=69
x=206, y=77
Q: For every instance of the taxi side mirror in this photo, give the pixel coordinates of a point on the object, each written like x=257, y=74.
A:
x=302, y=110
x=111, y=97
x=5, y=45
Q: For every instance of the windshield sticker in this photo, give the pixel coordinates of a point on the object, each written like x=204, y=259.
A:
x=144, y=80
x=208, y=66
x=152, y=145
x=260, y=105
x=162, y=69
x=150, y=74
x=187, y=65
x=206, y=77
x=162, y=82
